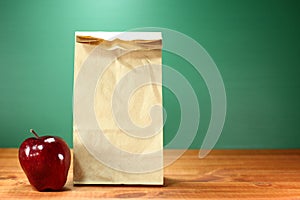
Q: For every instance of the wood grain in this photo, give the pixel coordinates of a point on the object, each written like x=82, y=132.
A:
x=224, y=174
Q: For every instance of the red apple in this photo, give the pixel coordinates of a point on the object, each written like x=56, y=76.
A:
x=45, y=161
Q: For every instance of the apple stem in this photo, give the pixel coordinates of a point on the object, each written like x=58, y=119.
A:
x=34, y=133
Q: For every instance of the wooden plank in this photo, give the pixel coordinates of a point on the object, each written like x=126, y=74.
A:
x=224, y=174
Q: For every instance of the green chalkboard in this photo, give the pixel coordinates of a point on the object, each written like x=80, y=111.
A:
x=255, y=44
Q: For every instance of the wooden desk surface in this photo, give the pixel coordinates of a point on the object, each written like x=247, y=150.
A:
x=224, y=174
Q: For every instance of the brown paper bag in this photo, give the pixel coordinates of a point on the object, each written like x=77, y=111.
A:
x=118, y=119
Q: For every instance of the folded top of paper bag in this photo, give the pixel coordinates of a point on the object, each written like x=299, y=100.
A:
x=122, y=35
x=125, y=40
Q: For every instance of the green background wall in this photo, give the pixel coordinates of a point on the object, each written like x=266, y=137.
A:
x=255, y=44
